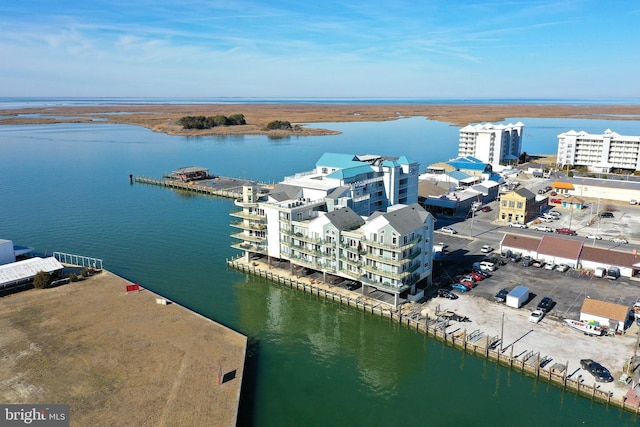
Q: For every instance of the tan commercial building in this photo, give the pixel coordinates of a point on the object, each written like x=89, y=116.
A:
x=520, y=206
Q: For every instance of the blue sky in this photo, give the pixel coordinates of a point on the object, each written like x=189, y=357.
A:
x=353, y=48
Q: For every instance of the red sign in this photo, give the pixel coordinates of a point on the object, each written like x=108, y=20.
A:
x=133, y=288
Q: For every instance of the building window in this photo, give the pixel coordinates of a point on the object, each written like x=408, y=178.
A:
x=519, y=205
x=512, y=203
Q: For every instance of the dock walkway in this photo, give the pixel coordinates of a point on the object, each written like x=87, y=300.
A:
x=218, y=186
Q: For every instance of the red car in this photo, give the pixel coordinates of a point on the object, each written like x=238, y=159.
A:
x=467, y=283
x=476, y=276
x=486, y=209
x=566, y=231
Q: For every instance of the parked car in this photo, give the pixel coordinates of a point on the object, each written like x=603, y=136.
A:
x=476, y=276
x=549, y=266
x=538, y=263
x=449, y=230
x=545, y=304
x=546, y=220
x=460, y=287
x=562, y=268
x=468, y=278
x=600, y=373
x=481, y=272
x=517, y=225
x=557, y=214
x=468, y=282
x=486, y=209
x=619, y=240
x=606, y=214
x=593, y=236
x=486, y=249
x=526, y=261
x=501, y=296
x=566, y=231
x=536, y=316
x=484, y=266
x=446, y=293
x=497, y=260
x=633, y=202
x=516, y=257
x=544, y=228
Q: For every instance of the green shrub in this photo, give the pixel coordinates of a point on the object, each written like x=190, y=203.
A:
x=42, y=280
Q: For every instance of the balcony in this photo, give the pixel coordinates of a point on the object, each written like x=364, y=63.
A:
x=248, y=216
x=249, y=225
x=353, y=249
x=304, y=249
x=239, y=202
x=390, y=261
x=394, y=248
x=312, y=264
x=249, y=237
x=385, y=285
x=382, y=273
x=352, y=261
x=250, y=248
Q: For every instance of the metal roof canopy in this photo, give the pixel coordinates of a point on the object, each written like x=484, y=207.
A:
x=26, y=269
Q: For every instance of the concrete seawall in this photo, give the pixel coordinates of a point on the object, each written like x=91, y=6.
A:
x=484, y=340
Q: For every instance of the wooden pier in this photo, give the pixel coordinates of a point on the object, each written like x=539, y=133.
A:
x=218, y=186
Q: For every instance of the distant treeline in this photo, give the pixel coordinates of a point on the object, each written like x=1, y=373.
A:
x=202, y=122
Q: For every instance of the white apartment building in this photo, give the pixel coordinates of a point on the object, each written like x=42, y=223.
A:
x=492, y=144
x=311, y=221
x=600, y=153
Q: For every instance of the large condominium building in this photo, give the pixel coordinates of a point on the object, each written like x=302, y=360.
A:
x=354, y=217
x=493, y=144
x=599, y=152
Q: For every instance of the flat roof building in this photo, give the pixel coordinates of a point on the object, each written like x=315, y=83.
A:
x=491, y=143
x=599, y=152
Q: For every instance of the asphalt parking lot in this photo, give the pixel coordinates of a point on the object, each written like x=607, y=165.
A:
x=568, y=289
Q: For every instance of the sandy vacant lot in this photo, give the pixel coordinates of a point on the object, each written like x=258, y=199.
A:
x=163, y=118
x=117, y=358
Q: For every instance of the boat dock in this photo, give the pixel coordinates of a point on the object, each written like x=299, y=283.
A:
x=215, y=186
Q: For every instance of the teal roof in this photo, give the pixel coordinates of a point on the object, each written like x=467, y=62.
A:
x=392, y=163
x=351, y=172
x=468, y=162
x=404, y=160
x=458, y=175
x=338, y=160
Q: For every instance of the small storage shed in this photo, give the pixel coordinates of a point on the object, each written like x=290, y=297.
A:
x=517, y=297
x=608, y=314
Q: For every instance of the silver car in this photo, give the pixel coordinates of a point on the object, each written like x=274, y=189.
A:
x=619, y=240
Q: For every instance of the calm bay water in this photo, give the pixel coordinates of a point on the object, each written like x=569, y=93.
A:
x=66, y=188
